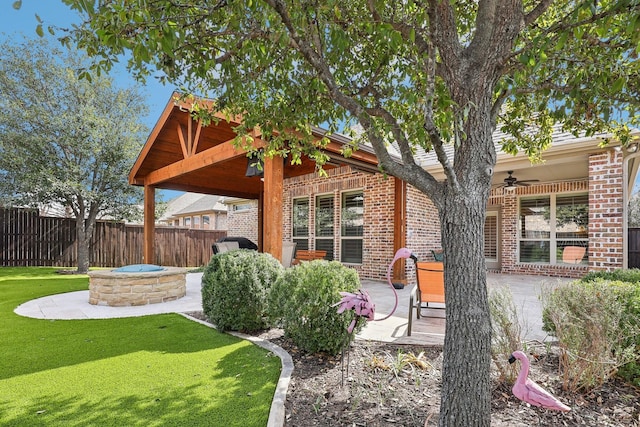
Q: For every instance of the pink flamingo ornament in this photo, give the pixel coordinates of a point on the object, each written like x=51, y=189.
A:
x=360, y=301
x=528, y=391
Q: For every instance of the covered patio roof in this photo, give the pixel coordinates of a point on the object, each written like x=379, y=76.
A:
x=182, y=154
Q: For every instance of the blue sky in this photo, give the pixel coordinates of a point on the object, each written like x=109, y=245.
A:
x=13, y=23
x=16, y=23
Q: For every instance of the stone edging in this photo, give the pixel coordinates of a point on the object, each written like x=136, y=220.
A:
x=277, y=412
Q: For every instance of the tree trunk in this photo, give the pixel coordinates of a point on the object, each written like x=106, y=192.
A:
x=83, y=237
x=466, y=396
x=466, y=393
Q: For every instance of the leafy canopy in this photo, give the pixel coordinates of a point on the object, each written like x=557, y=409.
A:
x=62, y=139
x=394, y=67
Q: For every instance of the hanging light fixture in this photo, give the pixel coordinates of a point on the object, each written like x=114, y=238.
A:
x=255, y=165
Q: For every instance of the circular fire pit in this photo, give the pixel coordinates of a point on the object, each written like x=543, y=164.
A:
x=136, y=285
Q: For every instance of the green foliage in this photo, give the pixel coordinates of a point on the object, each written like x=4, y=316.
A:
x=66, y=141
x=597, y=323
x=235, y=286
x=633, y=215
x=302, y=302
x=631, y=275
x=505, y=332
x=63, y=139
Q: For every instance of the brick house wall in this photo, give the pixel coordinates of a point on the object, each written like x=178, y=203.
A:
x=605, y=232
x=378, y=193
x=605, y=188
x=243, y=222
x=606, y=207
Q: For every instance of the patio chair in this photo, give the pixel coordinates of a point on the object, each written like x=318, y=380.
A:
x=573, y=254
x=429, y=289
x=222, y=247
x=308, y=255
x=288, y=249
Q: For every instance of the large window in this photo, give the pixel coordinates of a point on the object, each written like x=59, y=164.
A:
x=549, y=224
x=352, y=222
x=300, y=223
x=324, y=224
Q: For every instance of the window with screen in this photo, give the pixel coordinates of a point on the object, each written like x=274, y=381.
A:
x=351, y=227
x=300, y=223
x=325, y=224
x=549, y=224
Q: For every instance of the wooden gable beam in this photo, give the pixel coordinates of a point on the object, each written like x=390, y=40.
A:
x=218, y=154
x=188, y=139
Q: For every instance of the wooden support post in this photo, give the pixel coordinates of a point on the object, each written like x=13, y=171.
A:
x=399, y=228
x=149, y=224
x=272, y=206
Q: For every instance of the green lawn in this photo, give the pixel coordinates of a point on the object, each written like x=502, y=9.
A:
x=147, y=371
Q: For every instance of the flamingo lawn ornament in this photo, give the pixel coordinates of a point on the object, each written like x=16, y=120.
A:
x=528, y=391
x=360, y=301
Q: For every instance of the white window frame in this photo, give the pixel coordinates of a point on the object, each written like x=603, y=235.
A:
x=300, y=238
x=339, y=228
x=552, y=239
x=334, y=235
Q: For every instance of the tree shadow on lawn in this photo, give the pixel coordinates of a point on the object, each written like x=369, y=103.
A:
x=237, y=401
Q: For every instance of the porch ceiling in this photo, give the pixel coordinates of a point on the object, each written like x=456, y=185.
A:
x=181, y=155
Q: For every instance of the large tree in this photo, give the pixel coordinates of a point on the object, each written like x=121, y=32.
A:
x=416, y=73
x=65, y=140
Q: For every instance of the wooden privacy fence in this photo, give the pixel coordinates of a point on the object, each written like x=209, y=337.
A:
x=27, y=239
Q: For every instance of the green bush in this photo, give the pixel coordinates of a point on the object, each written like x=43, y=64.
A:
x=235, y=285
x=302, y=302
x=596, y=322
x=630, y=276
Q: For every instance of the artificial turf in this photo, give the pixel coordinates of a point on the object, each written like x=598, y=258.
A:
x=161, y=370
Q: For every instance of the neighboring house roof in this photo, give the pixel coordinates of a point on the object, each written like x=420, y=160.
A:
x=205, y=203
x=190, y=203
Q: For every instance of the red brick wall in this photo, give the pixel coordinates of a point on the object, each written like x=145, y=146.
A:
x=378, y=193
x=606, y=211
x=423, y=230
x=243, y=223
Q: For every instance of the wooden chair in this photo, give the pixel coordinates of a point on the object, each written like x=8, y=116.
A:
x=573, y=254
x=308, y=255
x=430, y=288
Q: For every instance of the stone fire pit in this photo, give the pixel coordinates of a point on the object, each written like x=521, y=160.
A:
x=136, y=285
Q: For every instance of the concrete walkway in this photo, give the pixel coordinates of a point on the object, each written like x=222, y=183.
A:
x=428, y=330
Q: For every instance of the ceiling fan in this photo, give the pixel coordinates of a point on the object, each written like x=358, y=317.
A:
x=511, y=181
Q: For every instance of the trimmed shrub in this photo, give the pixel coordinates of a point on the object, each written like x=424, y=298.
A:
x=596, y=323
x=302, y=302
x=235, y=285
x=630, y=276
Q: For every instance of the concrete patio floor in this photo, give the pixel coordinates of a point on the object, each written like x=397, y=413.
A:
x=430, y=328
